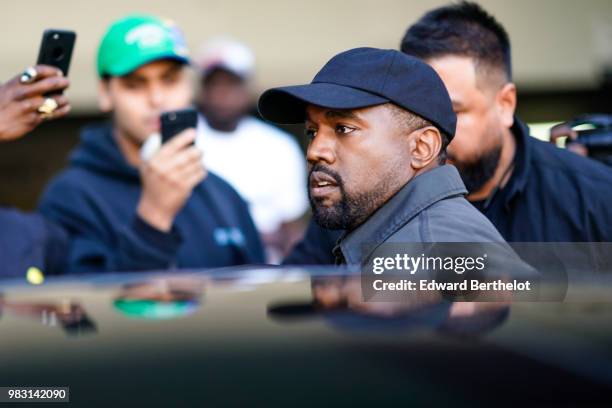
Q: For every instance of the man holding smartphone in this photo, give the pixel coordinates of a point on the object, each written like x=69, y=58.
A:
x=124, y=212
x=29, y=243
x=245, y=151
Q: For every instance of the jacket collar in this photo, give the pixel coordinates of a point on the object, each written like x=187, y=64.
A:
x=418, y=194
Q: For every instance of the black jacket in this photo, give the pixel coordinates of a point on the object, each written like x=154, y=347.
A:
x=29, y=240
x=553, y=195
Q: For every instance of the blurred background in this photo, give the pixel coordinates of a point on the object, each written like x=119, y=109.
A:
x=562, y=56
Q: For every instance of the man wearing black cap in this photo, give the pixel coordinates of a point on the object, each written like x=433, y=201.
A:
x=379, y=123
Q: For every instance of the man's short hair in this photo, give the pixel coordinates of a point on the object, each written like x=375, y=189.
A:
x=463, y=29
x=410, y=122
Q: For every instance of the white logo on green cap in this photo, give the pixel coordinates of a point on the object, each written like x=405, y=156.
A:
x=145, y=35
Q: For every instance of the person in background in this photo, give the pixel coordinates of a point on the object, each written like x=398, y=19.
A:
x=30, y=244
x=531, y=190
x=127, y=212
x=264, y=164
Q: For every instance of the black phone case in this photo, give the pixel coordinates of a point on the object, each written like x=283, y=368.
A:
x=174, y=122
x=56, y=49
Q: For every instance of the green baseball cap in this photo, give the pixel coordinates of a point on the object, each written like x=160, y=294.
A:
x=137, y=40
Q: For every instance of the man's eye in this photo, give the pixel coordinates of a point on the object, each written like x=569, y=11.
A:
x=310, y=133
x=134, y=84
x=170, y=79
x=343, y=129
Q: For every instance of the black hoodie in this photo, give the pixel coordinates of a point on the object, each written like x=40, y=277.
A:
x=95, y=199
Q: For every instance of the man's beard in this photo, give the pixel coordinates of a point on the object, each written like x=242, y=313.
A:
x=352, y=209
x=475, y=174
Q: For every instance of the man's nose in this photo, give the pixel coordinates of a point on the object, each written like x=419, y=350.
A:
x=156, y=96
x=322, y=149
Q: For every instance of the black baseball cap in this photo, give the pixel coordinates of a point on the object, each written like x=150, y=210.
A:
x=364, y=77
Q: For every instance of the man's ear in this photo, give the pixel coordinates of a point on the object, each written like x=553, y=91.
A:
x=506, y=103
x=105, y=102
x=426, y=145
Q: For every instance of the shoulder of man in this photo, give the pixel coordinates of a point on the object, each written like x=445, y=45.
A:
x=570, y=181
x=28, y=239
x=452, y=219
x=69, y=197
x=19, y=224
x=563, y=164
x=70, y=183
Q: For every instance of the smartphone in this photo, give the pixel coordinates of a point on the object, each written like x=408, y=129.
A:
x=56, y=49
x=174, y=122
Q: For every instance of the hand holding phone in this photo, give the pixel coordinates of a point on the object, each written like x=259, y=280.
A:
x=168, y=179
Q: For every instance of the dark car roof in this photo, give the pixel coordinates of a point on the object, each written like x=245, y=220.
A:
x=254, y=336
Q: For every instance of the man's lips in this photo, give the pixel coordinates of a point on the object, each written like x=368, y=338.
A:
x=153, y=124
x=321, y=184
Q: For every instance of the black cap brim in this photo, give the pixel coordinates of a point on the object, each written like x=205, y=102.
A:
x=287, y=105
